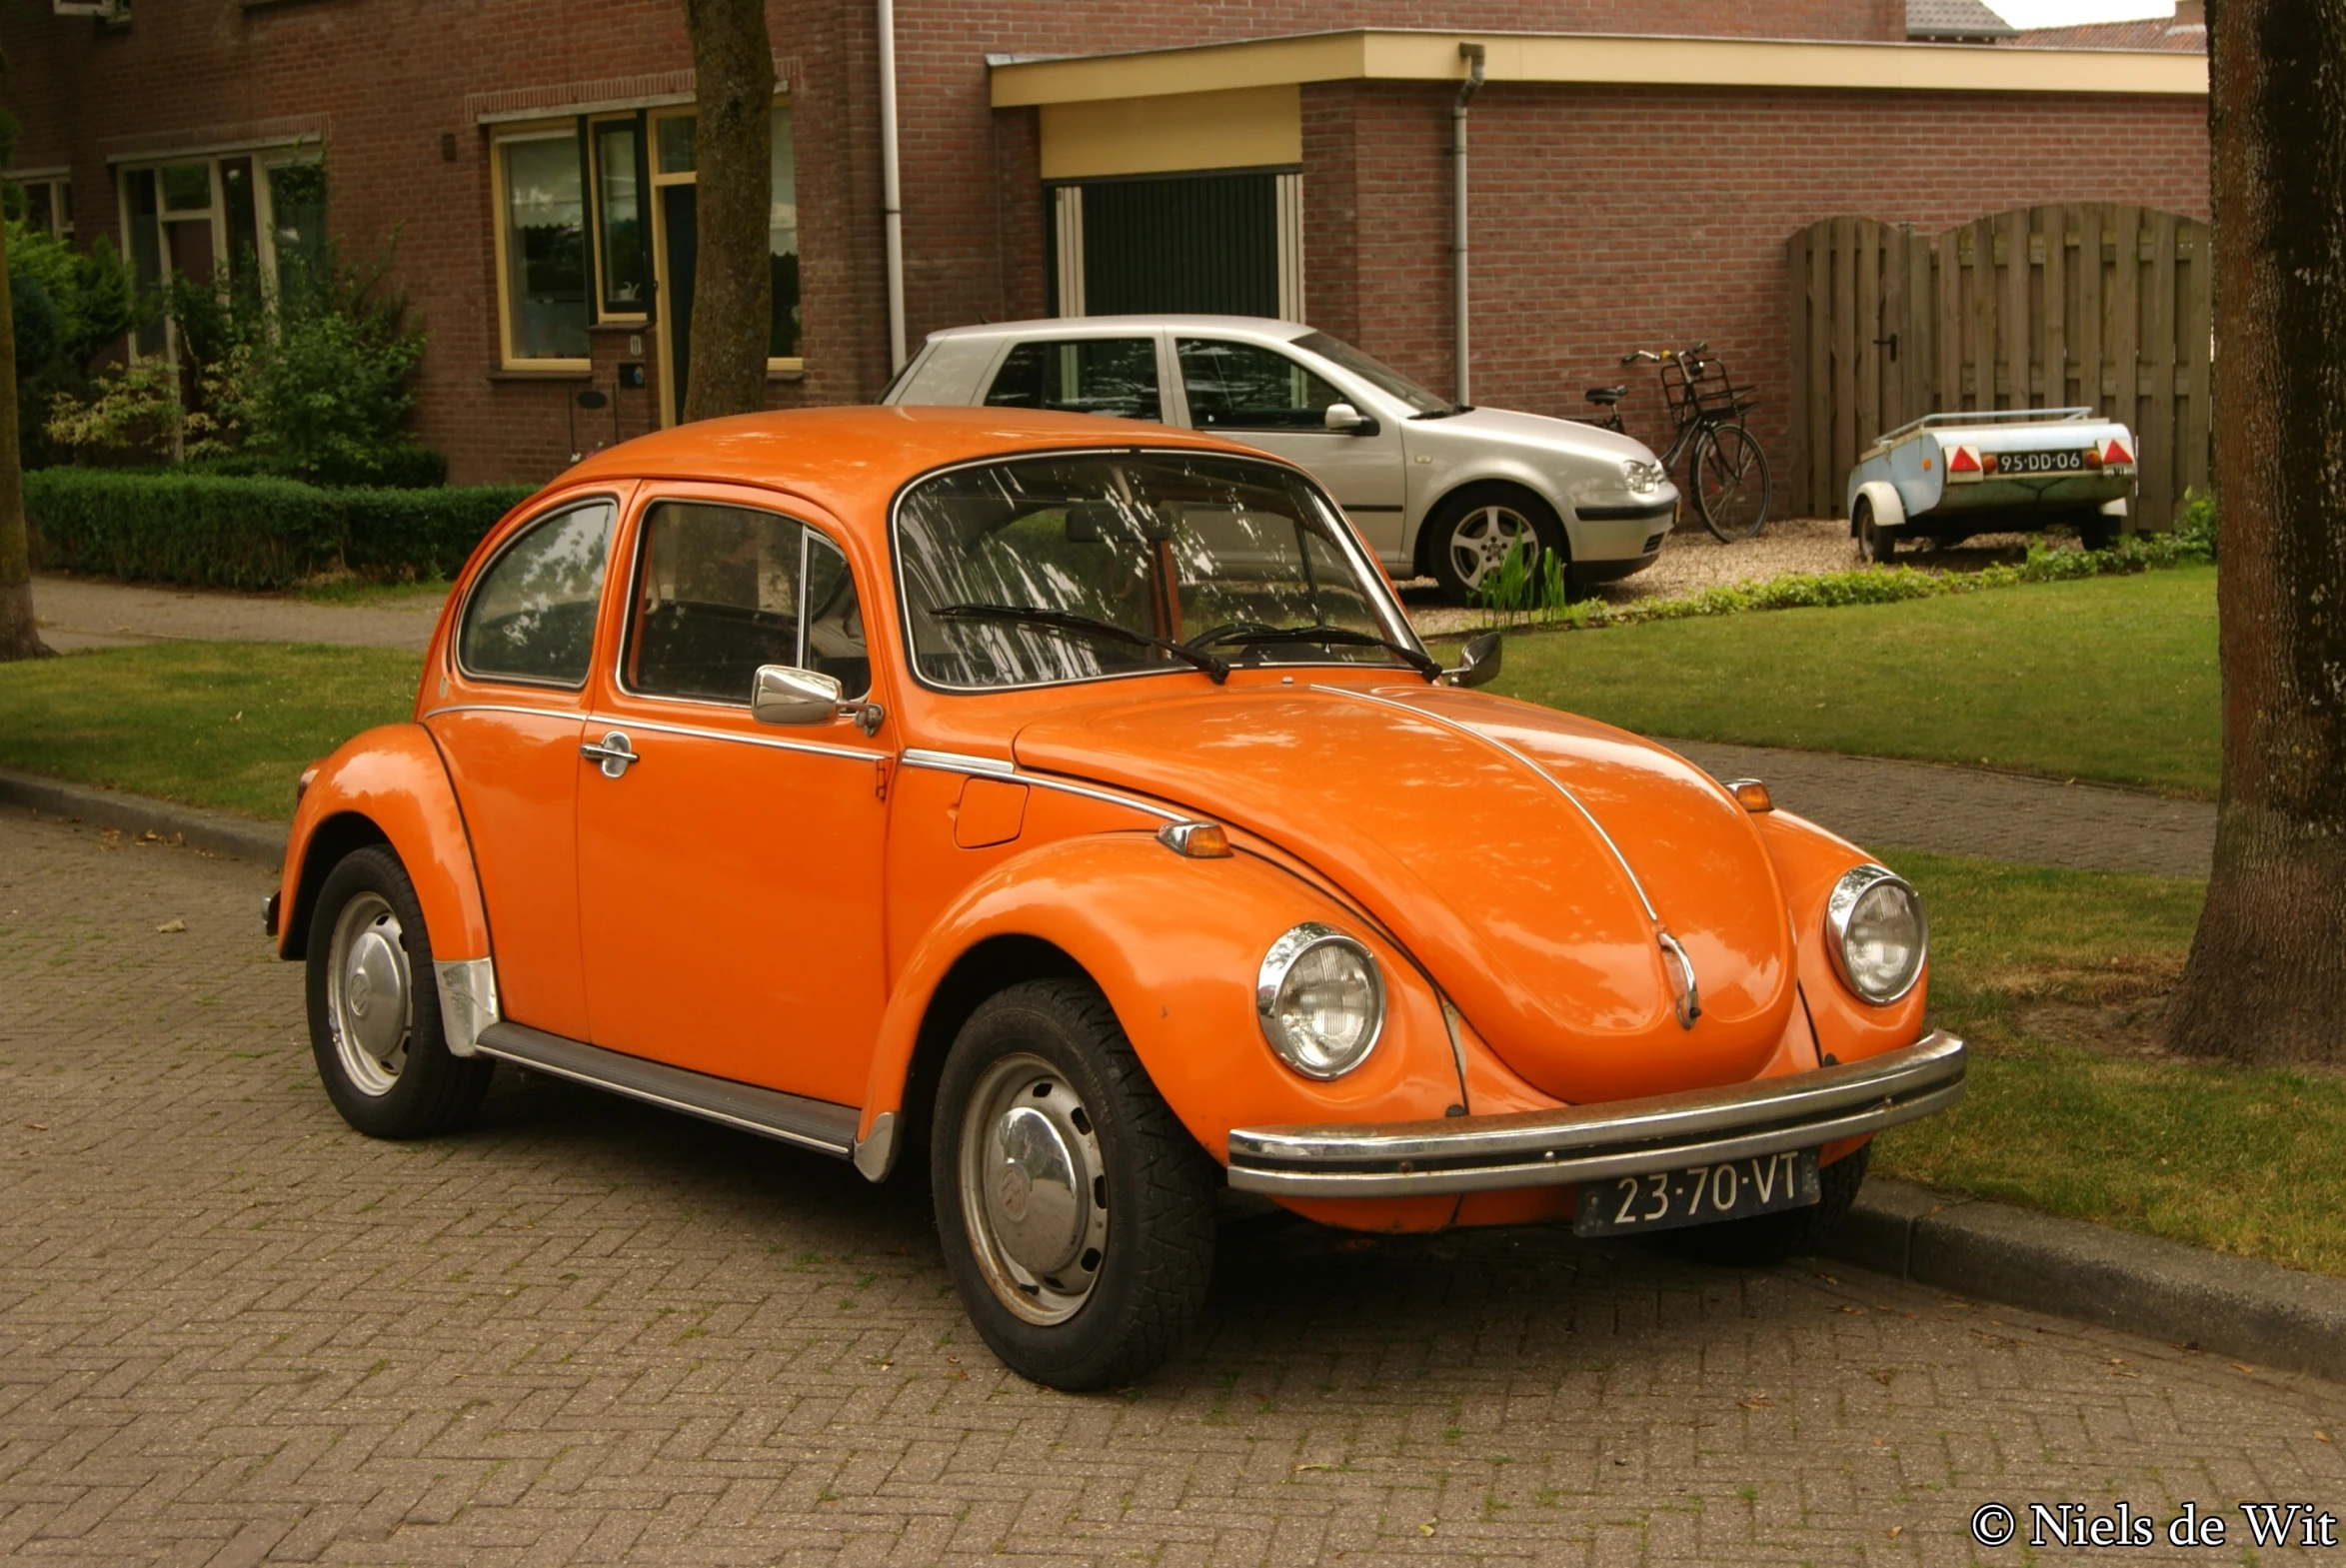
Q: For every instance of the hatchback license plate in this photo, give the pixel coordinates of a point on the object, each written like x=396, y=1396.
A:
x=1698, y=1195
x=2071, y=462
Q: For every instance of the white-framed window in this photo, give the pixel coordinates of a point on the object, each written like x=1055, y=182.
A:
x=541, y=187
x=674, y=163
x=48, y=200
x=228, y=216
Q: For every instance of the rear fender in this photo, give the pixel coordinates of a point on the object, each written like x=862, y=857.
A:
x=1176, y=946
x=1889, y=508
x=389, y=786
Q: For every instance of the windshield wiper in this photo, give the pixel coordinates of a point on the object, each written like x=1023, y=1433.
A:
x=1320, y=631
x=1090, y=625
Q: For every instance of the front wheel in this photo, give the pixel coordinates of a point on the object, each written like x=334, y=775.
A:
x=1075, y=1212
x=1472, y=534
x=1730, y=482
x=373, y=1006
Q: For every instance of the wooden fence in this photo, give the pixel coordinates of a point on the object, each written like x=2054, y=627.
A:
x=2039, y=307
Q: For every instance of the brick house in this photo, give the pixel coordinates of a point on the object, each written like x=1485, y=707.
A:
x=1636, y=167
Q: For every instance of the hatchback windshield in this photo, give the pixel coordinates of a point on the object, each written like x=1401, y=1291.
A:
x=1054, y=568
x=1376, y=371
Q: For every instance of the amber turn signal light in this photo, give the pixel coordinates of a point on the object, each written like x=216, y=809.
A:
x=1751, y=794
x=1198, y=841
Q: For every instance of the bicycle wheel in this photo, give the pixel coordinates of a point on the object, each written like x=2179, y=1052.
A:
x=1730, y=482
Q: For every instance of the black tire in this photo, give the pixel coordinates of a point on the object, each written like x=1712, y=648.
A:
x=1132, y=1263
x=1875, y=544
x=1770, y=1238
x=1472, y=525
x=1731, y=485
x=389, y=1072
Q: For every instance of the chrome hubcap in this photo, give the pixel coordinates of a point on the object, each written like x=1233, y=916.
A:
x=1485, y=536
x=1033, y=1189
x=370, y=994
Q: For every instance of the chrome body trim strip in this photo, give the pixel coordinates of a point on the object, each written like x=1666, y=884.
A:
x=578, y=713
x=999, y=767
x=693, y=731
x=468, y=1001
x=956, y=761
x=1592, y=1142
x=787, y=1119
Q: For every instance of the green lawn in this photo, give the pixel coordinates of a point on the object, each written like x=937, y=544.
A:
x=2111, y=678
x=2027, y=963
x=227, y=725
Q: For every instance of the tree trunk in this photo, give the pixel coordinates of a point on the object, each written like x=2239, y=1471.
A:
x=733, y=285
x=2266, y=981
x=18, y=638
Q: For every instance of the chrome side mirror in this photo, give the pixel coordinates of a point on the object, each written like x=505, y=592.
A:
x=787, y=695
x=1477, y=661
x=1346, y=420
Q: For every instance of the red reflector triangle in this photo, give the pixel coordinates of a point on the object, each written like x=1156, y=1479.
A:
x=1963, y=462
x=2116, y=453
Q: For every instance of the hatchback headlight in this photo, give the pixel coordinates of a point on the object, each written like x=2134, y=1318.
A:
x=1643, y=478
x=1320, y=1001
x=1879, y=935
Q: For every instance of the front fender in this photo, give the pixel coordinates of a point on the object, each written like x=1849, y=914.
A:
x=387, y=784
x=1808, y=861
x=1175, y=944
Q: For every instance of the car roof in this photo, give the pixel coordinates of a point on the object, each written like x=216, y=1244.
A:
x=851, y=461
x=1086, y=326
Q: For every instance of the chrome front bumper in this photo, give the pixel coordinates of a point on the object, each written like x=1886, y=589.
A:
x=1591, y=1142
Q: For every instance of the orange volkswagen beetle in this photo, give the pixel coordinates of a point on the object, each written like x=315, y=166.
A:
x=1071, y=806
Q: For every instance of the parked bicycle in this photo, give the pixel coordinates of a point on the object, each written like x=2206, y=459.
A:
x=1726, y=469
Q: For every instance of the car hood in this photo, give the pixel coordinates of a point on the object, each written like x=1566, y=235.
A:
x=1533, y=432
x=1511, y=849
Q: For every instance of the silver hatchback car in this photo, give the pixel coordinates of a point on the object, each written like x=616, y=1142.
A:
x=1437, y=489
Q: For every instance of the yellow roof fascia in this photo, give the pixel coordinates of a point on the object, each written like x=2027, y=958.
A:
x=1606, y=59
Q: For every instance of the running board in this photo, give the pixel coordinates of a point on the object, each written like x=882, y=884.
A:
x=790, y=1119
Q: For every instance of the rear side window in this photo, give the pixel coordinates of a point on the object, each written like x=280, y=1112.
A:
x=532, y=615
x=1240, y=386
x=722, y=589
x=1080, y=375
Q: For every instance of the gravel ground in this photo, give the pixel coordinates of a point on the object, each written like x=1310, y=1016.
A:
x=77, y=612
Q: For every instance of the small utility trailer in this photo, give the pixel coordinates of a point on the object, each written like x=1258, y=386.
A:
x=1946, y=477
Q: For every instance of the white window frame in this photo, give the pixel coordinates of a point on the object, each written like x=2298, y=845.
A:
x=501, y=138
x=264, y=157
x=59, y=180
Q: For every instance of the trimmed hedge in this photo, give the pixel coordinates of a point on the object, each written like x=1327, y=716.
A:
x=251, y=532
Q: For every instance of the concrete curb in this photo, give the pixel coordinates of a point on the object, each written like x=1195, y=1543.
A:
x=216, y=832
x=2260, y=1312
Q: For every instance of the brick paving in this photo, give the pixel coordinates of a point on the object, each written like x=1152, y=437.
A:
x=230, y=1330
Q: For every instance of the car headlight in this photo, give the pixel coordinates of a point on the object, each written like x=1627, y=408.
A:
x=1320, y=1001
x=1643, y=478
x=1879, y=935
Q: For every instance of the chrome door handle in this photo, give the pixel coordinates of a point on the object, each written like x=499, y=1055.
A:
x=612, y=752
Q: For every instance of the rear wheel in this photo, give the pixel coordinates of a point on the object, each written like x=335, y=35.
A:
x=1730, y=482
x=373, y=1006
x=1075, y=1211
x=1473, y=531
x=1791, y=1232
x=1875, y=544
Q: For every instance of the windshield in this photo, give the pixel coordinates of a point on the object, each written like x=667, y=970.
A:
x=1037, y=571
x=1371, y=369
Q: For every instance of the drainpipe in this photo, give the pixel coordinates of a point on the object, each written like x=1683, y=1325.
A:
x=1472, y=55
x=891, y=189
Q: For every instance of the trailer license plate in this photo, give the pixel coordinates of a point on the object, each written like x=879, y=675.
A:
x=2070, y=462
x=1697, y=1195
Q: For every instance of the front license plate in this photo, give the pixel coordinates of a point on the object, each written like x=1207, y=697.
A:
x=2040, y=461
x=1697, y=1195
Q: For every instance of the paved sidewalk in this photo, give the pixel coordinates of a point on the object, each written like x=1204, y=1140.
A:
x=590, y=1333
x=81, y=613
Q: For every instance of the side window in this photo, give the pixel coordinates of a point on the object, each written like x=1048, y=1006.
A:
x=1080, y=375
x=1239, y=385
x=722, y=590
x=532, y=615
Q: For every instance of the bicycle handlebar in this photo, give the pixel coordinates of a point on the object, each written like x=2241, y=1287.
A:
x=1692, y=352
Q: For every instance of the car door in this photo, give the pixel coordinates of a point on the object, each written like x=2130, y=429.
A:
x=507, y=714
x=730, y=870
x=1257, y=395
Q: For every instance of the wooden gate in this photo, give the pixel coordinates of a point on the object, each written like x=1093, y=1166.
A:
x=2039, y=307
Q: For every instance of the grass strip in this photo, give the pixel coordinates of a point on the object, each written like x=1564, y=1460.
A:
x=2057, y=979
x=224, y=725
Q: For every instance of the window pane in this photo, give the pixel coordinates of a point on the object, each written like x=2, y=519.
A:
x=533, y=615
x=781, y=241
x=675, y=144
x=244, y=234
x=37, y=216
x=187, y=187
x=719, y=594
x=1237, y=385
x=146, y=253
x=544, y=249
x=297, y=212
x=1083, y=376
x=625, y=272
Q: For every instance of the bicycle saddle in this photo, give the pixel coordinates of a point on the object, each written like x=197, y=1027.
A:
x=1606, y=395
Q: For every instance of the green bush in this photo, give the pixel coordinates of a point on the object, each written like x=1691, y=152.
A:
x=258, y=532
